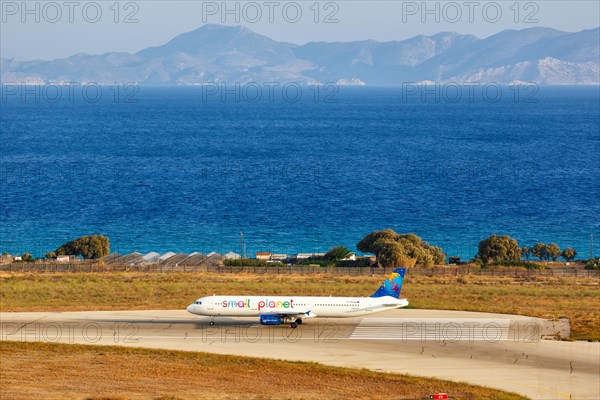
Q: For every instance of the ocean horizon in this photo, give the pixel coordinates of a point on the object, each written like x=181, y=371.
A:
x=188, y=168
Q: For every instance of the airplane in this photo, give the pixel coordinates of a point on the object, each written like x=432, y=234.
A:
x=278, y=310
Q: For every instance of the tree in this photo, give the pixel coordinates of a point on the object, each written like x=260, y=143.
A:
x=499, y=248
x=539, y=250
x=368, y=243
x=337, y=253
x=26, y=257
x=93, y=246
x=553, y=251
x=391, y=254
x=526, y=252
x=372, y=242
x=392, y=249
x=50, y=255
x=569, y=254
x=436, y=253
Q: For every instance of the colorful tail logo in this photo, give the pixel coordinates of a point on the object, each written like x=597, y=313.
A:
x=392, y=285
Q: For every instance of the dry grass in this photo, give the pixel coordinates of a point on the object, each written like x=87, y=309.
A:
x=547, y=297
x=575, y=298
x=59, y=371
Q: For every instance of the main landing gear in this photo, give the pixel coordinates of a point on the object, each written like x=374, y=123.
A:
x=295, y=324
x=212, y=321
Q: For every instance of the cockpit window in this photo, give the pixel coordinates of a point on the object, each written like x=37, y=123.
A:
x=198, y=302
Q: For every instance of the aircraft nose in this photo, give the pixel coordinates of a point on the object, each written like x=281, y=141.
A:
x=190, y=309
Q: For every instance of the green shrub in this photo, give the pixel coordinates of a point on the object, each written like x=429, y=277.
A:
x=593, y=263
x=250, y=262
x=317, y=261
x=360, y=262
x=337, y=253
x=477, y=261
x=520, y=264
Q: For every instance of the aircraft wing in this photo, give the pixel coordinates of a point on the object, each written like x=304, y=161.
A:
x=391, y=305
x=403, y=303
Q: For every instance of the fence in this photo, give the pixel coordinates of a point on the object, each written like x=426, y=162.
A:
x=511, y=272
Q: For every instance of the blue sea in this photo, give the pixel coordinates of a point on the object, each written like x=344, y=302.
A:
x=181, y=169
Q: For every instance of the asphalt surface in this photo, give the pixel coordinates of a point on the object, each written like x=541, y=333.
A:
x=496, y=350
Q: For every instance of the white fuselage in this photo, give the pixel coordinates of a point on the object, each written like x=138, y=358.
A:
x=330, y=307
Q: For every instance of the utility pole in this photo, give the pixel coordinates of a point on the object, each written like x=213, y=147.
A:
x=591, y=246
x=241, y=244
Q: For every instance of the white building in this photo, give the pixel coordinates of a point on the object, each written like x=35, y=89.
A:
x=279, y=257
x=232, y=256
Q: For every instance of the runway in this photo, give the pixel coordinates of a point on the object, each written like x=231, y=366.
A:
x=501, y=351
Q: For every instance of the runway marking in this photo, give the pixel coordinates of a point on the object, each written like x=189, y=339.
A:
x=441, y=330
x=205, y=338
x=432, y=329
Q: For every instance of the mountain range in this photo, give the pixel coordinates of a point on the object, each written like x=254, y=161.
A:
x=219, y=53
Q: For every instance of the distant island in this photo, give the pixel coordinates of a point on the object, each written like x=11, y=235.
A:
x=219, y=53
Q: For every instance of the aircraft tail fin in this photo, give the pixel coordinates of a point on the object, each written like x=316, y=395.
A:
x=392, y=285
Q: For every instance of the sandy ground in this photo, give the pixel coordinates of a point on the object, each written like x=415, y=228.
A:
x=495, y=350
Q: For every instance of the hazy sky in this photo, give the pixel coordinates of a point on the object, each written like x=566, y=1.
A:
x=54, y=29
